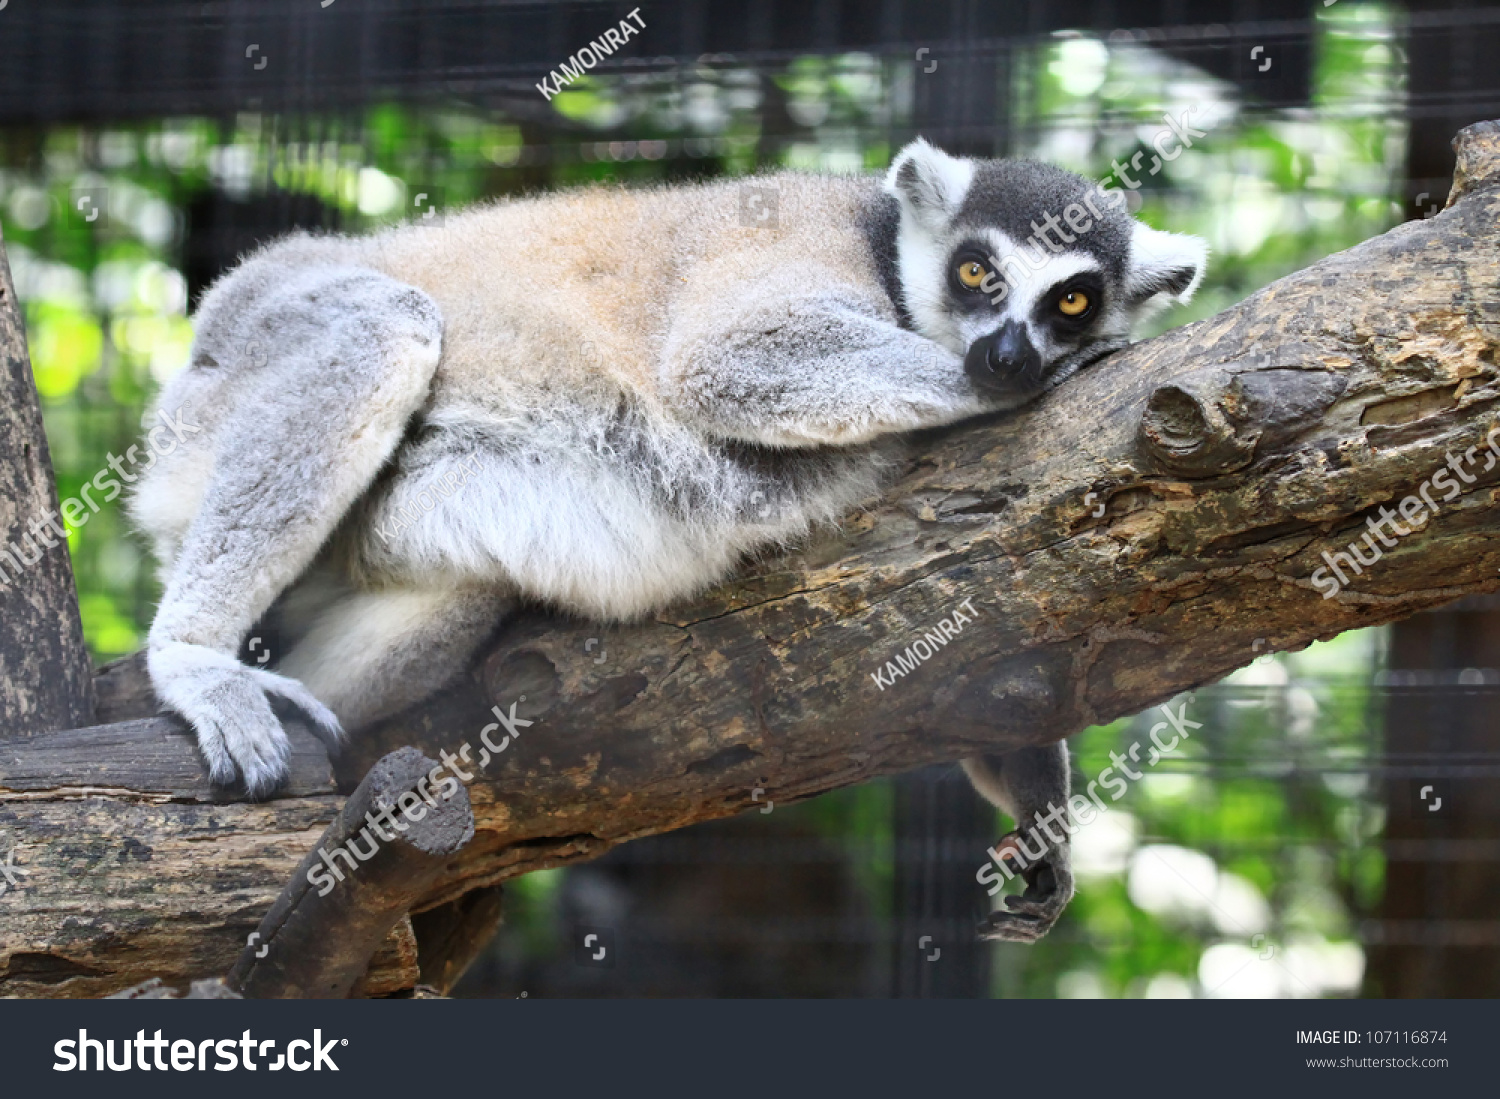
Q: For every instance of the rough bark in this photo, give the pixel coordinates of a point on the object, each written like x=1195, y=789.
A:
x=1145, y=529
x=45, y=676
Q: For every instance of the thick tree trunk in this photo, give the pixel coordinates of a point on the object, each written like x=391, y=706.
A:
x=1149, y=527
x=45, y=676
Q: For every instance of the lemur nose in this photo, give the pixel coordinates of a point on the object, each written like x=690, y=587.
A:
x=1012, y=347
x=1005, y=359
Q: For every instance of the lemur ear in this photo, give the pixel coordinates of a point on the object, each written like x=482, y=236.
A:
x=929, y=183
x=1164, y=266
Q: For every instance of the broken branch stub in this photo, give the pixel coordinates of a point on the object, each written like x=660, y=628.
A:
x=393, y=836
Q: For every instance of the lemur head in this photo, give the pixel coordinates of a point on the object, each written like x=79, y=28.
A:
x=1028, y=271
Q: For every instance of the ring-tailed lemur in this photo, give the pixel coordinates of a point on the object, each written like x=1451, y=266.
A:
x=634, y=390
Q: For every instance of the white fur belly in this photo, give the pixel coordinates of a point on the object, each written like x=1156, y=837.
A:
x=608, y=514
x=573, y=533
x=589, y=541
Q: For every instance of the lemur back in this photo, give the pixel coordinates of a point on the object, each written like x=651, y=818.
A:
x=590, y=293
x=553, y=365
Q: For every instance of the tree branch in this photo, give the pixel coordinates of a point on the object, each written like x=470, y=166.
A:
x=1147, y=528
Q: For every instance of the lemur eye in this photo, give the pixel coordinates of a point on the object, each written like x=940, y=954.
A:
x=1075, y=303
x=971, y=273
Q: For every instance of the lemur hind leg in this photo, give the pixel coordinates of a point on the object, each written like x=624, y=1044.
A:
x=374, y=653
x=349, y=357
x=1030, y=785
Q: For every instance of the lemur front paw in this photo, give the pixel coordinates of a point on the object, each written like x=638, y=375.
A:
x=1049, y=888
x=229, y=707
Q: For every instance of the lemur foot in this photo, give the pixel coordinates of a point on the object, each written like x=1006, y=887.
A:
x=1049, y=888
x=229, y=707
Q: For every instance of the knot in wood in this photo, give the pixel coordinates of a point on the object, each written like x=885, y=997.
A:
x=1188, y=433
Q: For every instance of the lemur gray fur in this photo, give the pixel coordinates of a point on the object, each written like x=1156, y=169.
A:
x=640, y=390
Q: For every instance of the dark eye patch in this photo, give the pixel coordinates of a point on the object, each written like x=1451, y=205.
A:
x=1046, y=312
x=968, y=298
